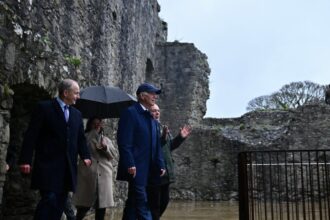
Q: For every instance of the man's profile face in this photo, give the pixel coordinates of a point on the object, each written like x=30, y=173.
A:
x=71, y=95
x=149, y=99
x=155, y=112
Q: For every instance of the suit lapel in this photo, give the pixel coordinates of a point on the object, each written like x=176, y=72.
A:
x=59, y=110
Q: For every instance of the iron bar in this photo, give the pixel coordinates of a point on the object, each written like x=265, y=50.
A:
x=284, y=185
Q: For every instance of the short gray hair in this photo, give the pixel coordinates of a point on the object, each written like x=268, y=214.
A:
x=141, y=94
x=65, y=84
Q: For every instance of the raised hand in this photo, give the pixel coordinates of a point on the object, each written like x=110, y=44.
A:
x=185, y=131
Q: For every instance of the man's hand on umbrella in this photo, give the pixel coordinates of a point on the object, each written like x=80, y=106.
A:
x=132, y=171
x=87, y=162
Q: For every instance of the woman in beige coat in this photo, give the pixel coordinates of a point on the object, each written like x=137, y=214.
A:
x=95, y=182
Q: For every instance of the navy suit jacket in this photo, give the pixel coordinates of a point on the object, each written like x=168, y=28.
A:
x=57, y=144
x=139, y=146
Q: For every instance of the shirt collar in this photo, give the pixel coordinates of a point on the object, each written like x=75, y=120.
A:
x=144, y=108
x=62, y=104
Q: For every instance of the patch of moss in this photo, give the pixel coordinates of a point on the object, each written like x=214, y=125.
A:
x=73, y=60
x=7, y=91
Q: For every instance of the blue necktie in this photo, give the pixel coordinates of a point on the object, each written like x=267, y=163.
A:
x=66, y=113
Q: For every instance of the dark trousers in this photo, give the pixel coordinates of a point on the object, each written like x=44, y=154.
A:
x=136, y=206
x=99, y=212
x=68, y=209
x=51, y=205
x=158, y=199
x=82, y=211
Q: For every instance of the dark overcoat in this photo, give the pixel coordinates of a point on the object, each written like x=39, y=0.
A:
x=56, y=144
x=139, y=146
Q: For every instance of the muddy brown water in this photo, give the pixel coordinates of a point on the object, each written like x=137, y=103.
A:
x=189, y=211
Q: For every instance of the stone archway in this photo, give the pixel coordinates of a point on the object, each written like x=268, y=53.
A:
x=19, y=201
x=149, y=70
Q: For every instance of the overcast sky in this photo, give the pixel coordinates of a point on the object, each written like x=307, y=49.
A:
x=254, y=47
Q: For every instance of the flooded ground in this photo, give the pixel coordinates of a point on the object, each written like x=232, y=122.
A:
x=191, y=211
x=202, y=211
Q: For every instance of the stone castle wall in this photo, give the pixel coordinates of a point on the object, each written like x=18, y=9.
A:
x=6, y=103
x=112, y=39
x=183, y=74
x=115, y=42
x=206, y=164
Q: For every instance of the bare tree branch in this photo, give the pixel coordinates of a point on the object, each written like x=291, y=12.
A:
x=290, y=95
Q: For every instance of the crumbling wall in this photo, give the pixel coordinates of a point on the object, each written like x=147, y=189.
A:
x=206, y=164
x=43, y=42
x=183, y=73
x=94, y=42
x=6, y=102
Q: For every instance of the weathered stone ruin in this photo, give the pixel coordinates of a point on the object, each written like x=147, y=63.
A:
x=115, y=42
x=123, y=43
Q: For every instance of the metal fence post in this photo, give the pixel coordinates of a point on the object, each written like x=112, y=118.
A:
x=243, y=187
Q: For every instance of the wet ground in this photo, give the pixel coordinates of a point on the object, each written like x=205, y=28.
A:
x=202, y=211
x=190, y=211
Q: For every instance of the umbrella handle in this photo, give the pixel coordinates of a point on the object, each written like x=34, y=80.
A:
x=101, y=132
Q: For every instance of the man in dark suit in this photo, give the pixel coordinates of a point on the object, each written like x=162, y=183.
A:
x=56, y=135
x=141, y=160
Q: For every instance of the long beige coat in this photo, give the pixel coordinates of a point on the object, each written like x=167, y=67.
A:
x=96, y=180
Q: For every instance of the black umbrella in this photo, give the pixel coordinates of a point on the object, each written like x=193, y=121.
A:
x=103, y=101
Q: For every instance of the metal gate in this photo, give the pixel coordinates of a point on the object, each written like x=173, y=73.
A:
x=284, y=185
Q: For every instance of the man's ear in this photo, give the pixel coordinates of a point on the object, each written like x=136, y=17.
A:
x=142, y=96
x=65, y=93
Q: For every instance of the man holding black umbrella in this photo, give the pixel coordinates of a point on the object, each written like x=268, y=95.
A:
x=141, y=159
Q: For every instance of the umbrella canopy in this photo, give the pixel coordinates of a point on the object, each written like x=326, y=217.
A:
x=103, y=101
